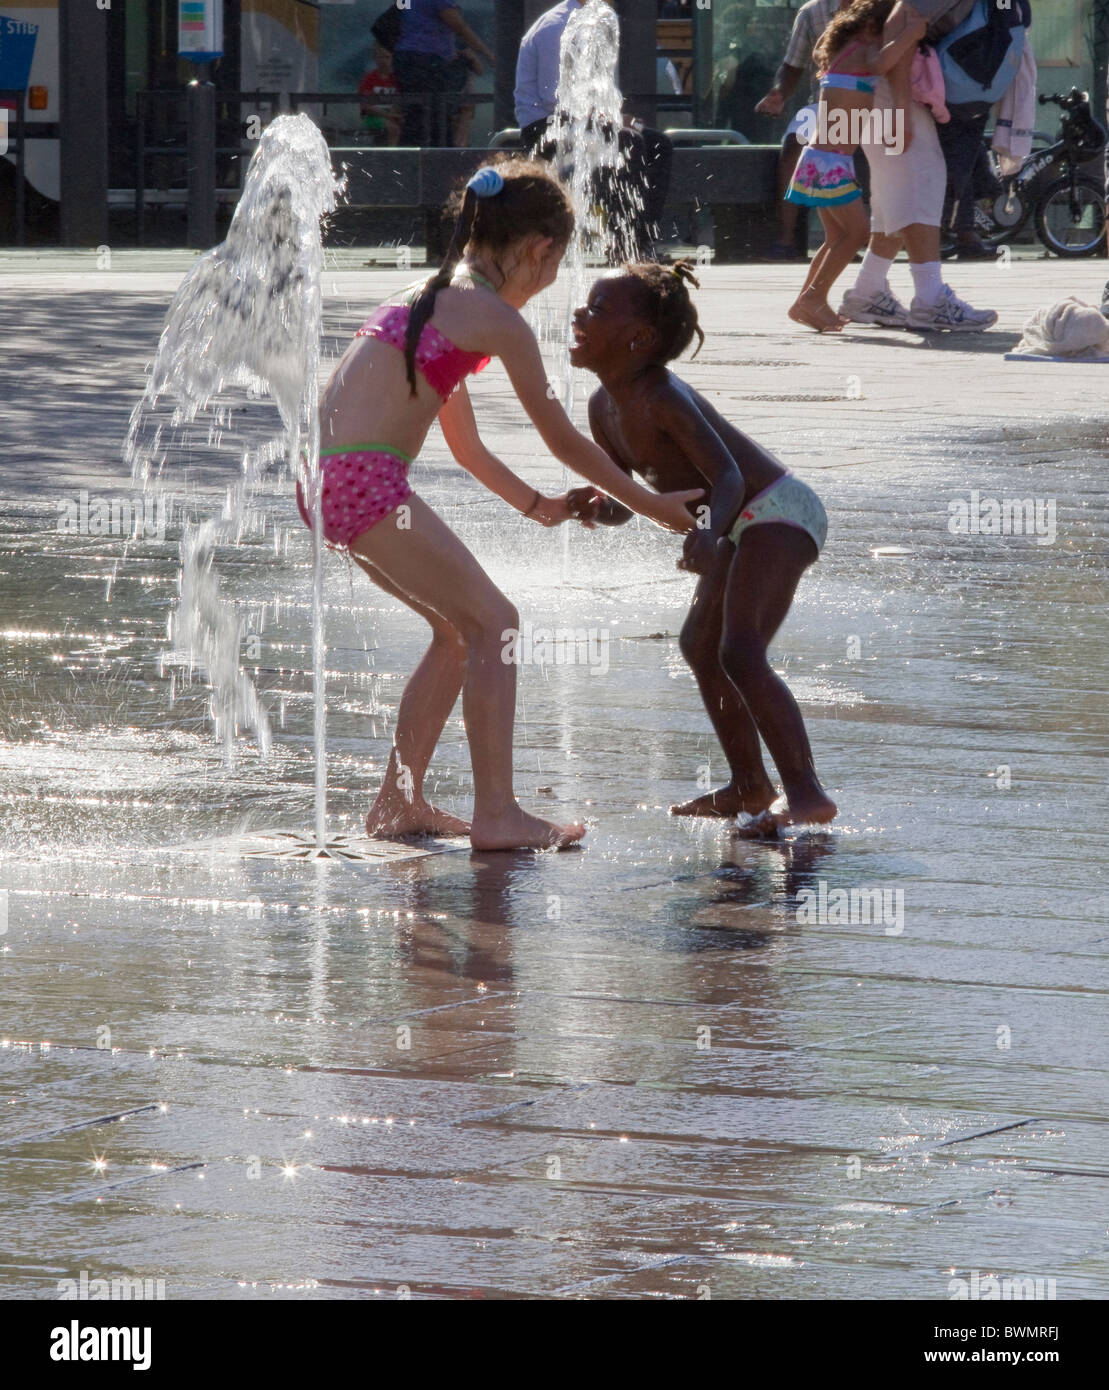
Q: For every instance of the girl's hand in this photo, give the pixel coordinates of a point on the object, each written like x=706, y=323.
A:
x=551, y=511
x=698, y=552
x=585, y=505
x=670, y=509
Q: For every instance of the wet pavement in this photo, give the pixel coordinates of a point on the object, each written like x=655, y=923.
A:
x=667, y=1065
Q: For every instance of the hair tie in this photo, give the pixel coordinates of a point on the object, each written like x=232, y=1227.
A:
x=486, y=183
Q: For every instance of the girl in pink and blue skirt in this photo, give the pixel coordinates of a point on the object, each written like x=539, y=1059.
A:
x=848, y=57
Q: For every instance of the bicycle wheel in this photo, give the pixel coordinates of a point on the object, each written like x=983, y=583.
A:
x=1072, y=226
x=997, y=220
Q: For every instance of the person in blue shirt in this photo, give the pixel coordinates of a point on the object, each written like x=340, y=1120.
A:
x=647, y=153
x=422, y=60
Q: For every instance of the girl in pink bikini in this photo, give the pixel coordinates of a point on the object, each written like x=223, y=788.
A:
x=404, y=369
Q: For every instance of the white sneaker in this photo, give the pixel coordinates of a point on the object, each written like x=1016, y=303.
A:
x=883, y=308
x=950, y=313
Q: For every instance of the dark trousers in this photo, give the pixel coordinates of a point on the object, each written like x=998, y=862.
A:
x=648, y=155
x=968, y=173
x=425, y=116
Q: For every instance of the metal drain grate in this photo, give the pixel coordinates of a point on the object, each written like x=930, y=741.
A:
x=286, y=844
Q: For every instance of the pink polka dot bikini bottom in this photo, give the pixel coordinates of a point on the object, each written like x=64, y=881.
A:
x=361, y=486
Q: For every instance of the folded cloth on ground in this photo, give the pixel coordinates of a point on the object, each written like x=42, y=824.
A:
x=1070, y=328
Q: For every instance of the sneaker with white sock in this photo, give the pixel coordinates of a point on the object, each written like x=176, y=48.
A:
x=951, y=314
x=883, y=307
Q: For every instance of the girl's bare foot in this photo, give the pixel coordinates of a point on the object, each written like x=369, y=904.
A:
x=817, y=313
x=517, y=830
x=812, y=808
x=393, y=822
x=764, y=826
x=728, y=801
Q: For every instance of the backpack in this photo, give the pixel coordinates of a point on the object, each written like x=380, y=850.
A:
x=949, y=17
x=980, y=56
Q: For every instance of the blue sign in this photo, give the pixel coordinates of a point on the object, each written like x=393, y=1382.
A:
x=17, y=51
x=200, y=30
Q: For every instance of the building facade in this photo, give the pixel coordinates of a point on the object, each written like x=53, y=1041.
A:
x=105, y=83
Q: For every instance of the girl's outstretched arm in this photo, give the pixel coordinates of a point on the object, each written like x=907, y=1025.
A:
x=456, y=419
x=605, y=510
x=517, y=348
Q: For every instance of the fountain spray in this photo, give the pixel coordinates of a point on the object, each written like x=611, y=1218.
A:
x=249, y=315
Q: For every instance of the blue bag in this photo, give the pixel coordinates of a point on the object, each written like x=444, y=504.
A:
x=980, y=56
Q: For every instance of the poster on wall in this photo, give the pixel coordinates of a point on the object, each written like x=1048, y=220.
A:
x=280, y=46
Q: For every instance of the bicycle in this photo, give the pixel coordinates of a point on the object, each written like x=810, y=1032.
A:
x=1066, y=205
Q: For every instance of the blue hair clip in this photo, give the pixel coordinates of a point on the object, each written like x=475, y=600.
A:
x=486, y=183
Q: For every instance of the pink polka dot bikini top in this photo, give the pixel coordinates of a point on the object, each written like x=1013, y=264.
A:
x=442, y=363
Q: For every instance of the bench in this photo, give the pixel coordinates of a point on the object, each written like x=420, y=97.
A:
x=737, y=182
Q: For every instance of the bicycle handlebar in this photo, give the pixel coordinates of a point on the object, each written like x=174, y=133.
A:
x=1072, y=98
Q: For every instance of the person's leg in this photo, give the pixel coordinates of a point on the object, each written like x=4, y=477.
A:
x=458, y=113
x=534, y=139
x=811, y=307
x=637, y=186
x=1105, y=291
x=935, y=304
x=425, y=706
x=787, y=212
x=462, y=124
x=408, y=70
x=658, y=156
x=817, y=260
x=847, y=227
x=922, y=245
x=961, y=142
x=437, y=78
x=792, y=218
x=886, y=246
x=769, y=562
x=870, y=299
x=749, y=788
x=431, y=566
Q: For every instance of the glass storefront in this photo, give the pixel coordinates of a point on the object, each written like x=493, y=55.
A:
x=749, y=38
x=715, y=62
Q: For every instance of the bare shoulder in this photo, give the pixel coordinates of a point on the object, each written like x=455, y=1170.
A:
x=675, y=403
x=479, y=321
x=600, y=406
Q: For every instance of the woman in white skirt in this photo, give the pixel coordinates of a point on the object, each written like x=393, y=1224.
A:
x=908, y=176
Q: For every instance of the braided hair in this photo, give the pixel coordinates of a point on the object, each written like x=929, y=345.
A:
x=501, y=204
x=664, y=296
